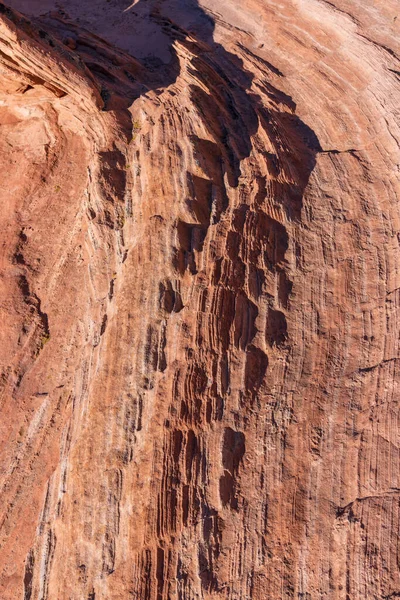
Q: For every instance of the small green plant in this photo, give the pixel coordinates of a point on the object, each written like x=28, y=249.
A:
x=136, y=127
x=44, y=338
x=57, y=188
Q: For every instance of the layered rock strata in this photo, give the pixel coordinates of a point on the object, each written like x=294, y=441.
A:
x=200, y=282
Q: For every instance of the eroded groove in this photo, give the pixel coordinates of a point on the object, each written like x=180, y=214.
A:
x=199, y=356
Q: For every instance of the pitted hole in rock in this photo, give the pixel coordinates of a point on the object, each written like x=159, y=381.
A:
x=262, y=193
x=24, y=287
x=224, y=309
x=264, y=233
x=219, y=408
x=217, y=272
x=160, y=573
x=150, y=352
x=103, y=325
x=246, y=313
x=154, y=350
x=233, y=245
x=185, y=504
x=190, y=453
x=23, y=238
x=209, y=158
x=190, y=238
x=273, y=167
x=18, y=257
x=224, y=375
x=276, y=329
x=234, y=268
x=239, y=217
x=255, y=369
x=170, y=298
x=162, y=358
x=256, y=281
x=275, y=238
x=285, y=286
x=82, y=573
x=200, y=203
x=233, y=450
x=235, y=274
x=227, y=490
x=111, y=289
x=196, y=381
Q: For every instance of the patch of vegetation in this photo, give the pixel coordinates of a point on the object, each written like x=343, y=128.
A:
x=136, y=127
x=44, y=338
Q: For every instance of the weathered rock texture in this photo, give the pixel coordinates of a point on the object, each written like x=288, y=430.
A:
x=200, y=289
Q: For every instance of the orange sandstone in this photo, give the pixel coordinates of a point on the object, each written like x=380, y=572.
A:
x=199, y=277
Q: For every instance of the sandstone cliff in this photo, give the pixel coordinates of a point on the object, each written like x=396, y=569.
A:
x=200, y=289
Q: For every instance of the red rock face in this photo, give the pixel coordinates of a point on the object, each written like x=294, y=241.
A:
x=200, y=281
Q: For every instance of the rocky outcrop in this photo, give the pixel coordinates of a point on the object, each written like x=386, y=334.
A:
x=200, y=287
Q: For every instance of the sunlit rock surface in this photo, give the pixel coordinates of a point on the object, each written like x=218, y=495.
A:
x=200, y=288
